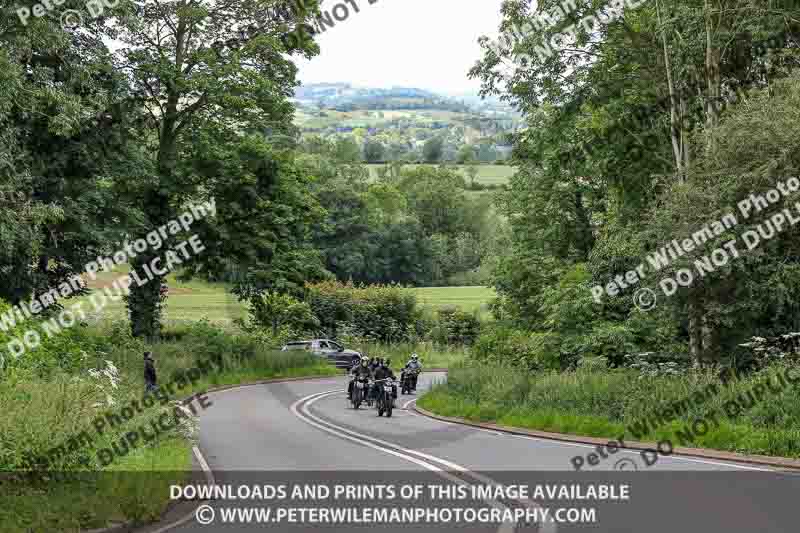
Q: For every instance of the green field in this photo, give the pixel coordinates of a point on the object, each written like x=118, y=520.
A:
x=487, y=174
x=187, y=301
x=466, y=298
x=195, y=300
x=330, y=118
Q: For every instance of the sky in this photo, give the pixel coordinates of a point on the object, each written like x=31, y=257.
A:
x=427, y=44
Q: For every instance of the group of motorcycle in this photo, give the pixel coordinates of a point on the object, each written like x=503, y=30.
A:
x=380, y=393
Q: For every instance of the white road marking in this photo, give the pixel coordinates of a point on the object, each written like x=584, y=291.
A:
x=210, y=479
x=301, y=409
x=405, y=405
x=204, y=465
x=555, y=442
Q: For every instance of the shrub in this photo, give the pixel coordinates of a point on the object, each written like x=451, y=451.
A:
x=761, y=352
x=507, y=345
x=384, y=313
x=281, y=312
x=457, y=327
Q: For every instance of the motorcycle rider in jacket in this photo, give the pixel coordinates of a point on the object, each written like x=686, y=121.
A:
x=384, y=371
x=413, y=367
x=361, y=371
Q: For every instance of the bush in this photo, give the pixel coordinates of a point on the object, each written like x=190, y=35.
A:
x=761, y=352
x=456, y=327
x=280, y=316
x=503, y=344
x=381, y=313
x=71, y=350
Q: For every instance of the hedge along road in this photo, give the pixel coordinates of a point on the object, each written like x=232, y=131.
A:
x=259, y=434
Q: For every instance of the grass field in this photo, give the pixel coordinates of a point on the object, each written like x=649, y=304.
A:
x=375, y=118
x=466, y=298
x=487, y=174
x=195, y=300
x=187, y=302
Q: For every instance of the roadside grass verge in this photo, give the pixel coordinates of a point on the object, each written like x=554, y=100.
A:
x=134, y=489
x=615, y=403
x=47, y=403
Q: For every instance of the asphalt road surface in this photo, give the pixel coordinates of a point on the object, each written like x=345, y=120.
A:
x=305, y=432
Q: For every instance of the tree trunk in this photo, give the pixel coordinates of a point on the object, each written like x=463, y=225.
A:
x=713, y=80
x=144, y=301
x=709, y=351
x=695, y=332
x=675, y=117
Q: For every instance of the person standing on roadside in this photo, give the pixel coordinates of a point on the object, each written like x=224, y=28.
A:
x=150, y=379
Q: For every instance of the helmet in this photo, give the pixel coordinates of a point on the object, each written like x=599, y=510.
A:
x=414, y=356
x=364, y=360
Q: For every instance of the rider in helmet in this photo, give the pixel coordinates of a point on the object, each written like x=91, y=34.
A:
x=374, y=363
x=360, y=371
x=385, y=371
x=413, y=367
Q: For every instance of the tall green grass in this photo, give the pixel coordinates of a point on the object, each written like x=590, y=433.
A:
x=46, y=403
x=607, y=403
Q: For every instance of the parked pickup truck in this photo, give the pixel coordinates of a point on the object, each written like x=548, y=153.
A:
x=332, y=350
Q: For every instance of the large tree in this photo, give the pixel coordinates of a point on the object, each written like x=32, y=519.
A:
x=65, y=154
x=197, y=66
x=622, y=113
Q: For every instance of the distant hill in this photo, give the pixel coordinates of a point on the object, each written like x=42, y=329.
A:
x=345, y=97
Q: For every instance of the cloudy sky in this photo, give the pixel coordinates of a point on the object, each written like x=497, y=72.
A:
x=429, y=44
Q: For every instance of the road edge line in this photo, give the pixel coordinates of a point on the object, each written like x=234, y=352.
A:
x=702, y=453
x=207, y=471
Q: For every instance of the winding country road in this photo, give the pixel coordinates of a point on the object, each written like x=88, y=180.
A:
x=264, y=433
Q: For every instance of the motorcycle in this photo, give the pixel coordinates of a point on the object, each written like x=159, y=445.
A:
x=408, y=381
x=369, y=398
x=360, y=392
x=385, y=399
